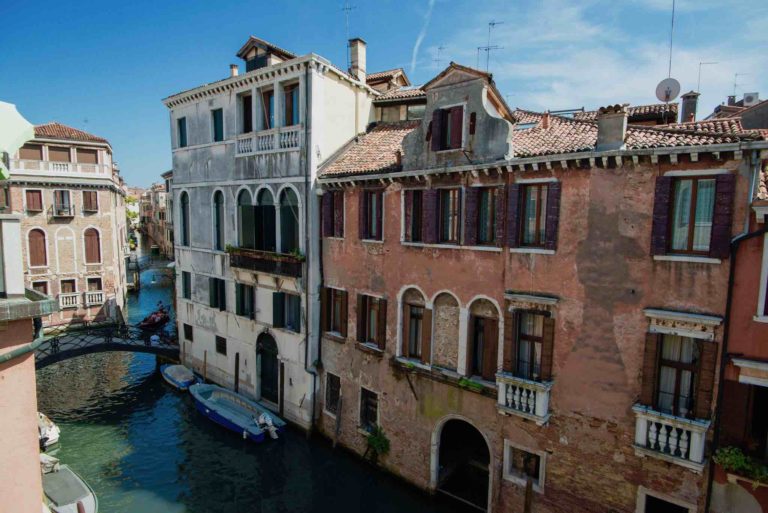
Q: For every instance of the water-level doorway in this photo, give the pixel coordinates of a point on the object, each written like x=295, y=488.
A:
x=269, y=371
x=463, y=463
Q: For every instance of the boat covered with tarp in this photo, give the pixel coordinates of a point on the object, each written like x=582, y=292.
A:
x=178, y=376
x=65, y=491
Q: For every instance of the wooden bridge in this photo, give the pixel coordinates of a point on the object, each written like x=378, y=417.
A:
x=62, y=343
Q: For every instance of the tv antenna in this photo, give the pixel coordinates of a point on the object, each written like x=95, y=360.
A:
x=671, y=33
x=698, y=82
x=736, y=80
x=347, y=8
x=487, y=48
x=437, y=59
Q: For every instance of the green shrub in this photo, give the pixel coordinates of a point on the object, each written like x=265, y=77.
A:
x=378, y=443
x=733, y=459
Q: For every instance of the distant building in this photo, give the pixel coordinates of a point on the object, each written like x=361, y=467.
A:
x=154, y=217
x=68, y=190
x=750, y=110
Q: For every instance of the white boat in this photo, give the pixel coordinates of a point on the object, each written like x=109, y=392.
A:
x=178, y=376
x=65, y=491
x=47, y=431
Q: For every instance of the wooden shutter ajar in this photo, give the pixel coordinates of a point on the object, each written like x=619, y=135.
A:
x=338, y=213
x=404, y=349
x=327, y=214
x=471, y=215
x=513, y=215
x=510, y=341
x=650, y=366
x=547, y=349
x=344, y=306
x=429, y=216
x=499, y=210
x=725, y=188
x=361, y=215
x=706, y=382
x=381, y=336
x=553, y=215
x=361, y=321
x=661, y=206
x=490, y=348
x=426, y=337
x=457, y=127
x=408, y=214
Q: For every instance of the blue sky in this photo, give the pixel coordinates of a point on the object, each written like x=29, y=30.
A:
x=111, y=63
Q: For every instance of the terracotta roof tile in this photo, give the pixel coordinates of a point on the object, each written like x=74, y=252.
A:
x=372, y=152
x=56, y=130
x=762, y=186
x=381, y=76
x=401, y=94
x=719, y=126
x=636, y=111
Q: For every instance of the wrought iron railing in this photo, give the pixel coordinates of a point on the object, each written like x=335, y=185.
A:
x=266, y=262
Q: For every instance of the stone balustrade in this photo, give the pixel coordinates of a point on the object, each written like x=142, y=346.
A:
x=94, y=297
x=264, y=141
x=675, y=439
x=70, y=300
x=523, y=397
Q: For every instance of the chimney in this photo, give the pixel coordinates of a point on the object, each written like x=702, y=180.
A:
x=544, y=121
x=357, y=58
x=732, y=100
x=611, y=127
x=690, y=100
x=233, y=70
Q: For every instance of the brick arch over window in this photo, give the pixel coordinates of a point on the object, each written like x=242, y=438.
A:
x=92, y=246
x=416, y=340
x=445, y=338
x=38, y=252
x=482, y=339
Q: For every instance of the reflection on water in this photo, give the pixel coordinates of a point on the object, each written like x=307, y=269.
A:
x=144, y=448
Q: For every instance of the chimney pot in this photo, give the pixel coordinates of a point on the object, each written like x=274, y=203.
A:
x=545, y=120
x=233, y=70
x=357, y=63
x=690, y=101
x=611, y=127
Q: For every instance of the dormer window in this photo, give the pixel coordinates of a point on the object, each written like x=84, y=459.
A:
x=447, y=128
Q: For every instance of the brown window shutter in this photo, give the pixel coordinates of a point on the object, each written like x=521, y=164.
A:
x=429, y=224
x=426, y=337
x=361, y=318
x=553, y=215
x=706, y=382
x=37, y=251
x=513, y=215
x=490, y=349
x=499, y=208
x=650, y=367
x=437, y=129
x=406, y=329
x=408, y=214
x=92, y=250
x=547, y=348
x=338, y=213
x=325, y=306
x=381, y=336
x=361, y=215
x=327, y=214
x=379, y=215
x=725, y=187
x=34, y=200
x=457, y=126
x=510, y=341
x=470, y=217
x=344, y=312
x=661, y=203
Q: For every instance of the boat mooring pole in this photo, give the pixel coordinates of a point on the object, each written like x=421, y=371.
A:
x=205, y=365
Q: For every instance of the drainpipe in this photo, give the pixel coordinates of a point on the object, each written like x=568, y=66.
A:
x=735, y=243
x=308, y=201
x=21, y=351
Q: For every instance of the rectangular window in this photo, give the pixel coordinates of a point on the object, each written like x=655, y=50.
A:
x=692, y=213
x=369, y=410
x=188, y=333
x=534, y=214
x=529, y=342
x=221, y=345
x=68, y=286
x=59, y=154
x=332, y=393
x=4, y=199
x=291, y=113
x=450, y=215
x=414, y=212
x=678, y=369
x=40, y=286
x=94, y=284
x=372, y=215
x=286, y=311
x=34, y=201
x=31, y=152
x=334, y=311
x=90, y=201
x=186, y=284
x=62, y=206
x=337, y=211
x=486, y=216
x=244, y=300
x=268, y=109
x=217, y=293
x=181, y=131
x=521, y=465
x=371, y=320
x=217, y=122
x=483, y=335
x=415, y=320
x=447, y=128
x=86, y=156
x=416, y=111
x=246, y=106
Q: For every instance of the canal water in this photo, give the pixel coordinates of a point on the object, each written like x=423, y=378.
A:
x=144, y=448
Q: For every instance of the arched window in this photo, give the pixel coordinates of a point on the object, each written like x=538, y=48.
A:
x=289, y=221
x=38, y=254
x=92, y=246
x=265, y=221
x=184, y=219
x=483, y=340
x=417, y=327
x=218, y=221
x=245, y=221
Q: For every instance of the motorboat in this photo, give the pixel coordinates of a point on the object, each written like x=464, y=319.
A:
x=236, y=413
x=178, y=376
x=65, y=491
x=47, y=431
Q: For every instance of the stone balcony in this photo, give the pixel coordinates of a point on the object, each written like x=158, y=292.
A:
x=523, y=397
x=94, y=298
x=51, y=168
x=266, y=262
x=674, y=439
x=272, y=140
x=69, y=300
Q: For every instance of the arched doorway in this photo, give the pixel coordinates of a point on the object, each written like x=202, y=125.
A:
x=463, y=463
x=266, y=348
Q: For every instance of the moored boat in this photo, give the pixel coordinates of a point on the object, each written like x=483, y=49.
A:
x=47, y=431
x=178, y=376
x=155, y=320
x=67, y=492
x=235, y=412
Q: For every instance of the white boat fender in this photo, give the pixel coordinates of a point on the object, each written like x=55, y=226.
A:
x=154, y=340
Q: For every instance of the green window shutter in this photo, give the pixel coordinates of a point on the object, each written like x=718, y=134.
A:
x=278, y=309
x=212, y=292
x=239, y=310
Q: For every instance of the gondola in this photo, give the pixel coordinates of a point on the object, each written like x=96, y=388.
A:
x=155, y=320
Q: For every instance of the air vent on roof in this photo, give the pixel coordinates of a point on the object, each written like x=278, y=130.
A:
x=751, y=99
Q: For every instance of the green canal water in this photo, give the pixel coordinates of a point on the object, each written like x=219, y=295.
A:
x=144, y=448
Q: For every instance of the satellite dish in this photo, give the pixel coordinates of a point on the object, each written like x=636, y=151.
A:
x=667, y=90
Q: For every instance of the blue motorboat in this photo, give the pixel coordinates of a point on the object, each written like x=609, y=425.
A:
x=178, y=376
x=235, y=412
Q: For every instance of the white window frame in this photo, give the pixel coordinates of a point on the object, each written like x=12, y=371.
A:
x=69, y=279
x=101, y=246
x=98, y=206
x=42, y=200
x=213, y=127
x=643, y=492
x=325, y=394
x=383, y=216
x=538, y=486
x=330, y=312
x=87, y=282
